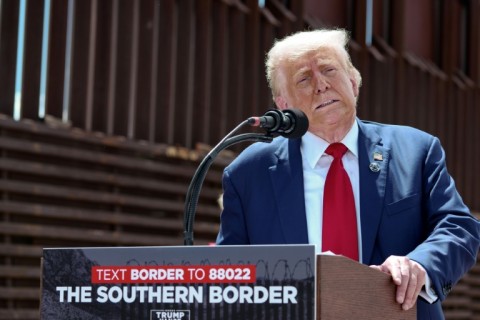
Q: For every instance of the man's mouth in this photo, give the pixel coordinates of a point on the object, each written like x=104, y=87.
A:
x=326, y=103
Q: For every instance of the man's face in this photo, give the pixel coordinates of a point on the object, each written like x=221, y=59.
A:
x=319, y=85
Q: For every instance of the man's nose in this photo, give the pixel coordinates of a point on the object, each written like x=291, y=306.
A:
x=321, y=84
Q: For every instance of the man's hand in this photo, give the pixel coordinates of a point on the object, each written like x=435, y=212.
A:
x=408, y=275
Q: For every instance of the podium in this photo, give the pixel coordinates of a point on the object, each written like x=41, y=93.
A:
x=212, y=282
x=349, y=290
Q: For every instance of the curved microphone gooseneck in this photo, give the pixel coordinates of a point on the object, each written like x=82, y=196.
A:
x=290, y=123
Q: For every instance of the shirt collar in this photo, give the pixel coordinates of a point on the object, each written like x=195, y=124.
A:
x=313, y=147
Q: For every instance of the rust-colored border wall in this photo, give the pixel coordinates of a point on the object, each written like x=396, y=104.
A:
x=136, y=89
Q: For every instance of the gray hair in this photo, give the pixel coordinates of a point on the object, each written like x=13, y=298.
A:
x=298, y=44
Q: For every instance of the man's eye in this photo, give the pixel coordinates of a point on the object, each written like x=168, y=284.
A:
x=303, y=80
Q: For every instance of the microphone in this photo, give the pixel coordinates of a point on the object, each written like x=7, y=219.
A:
x=289, y=123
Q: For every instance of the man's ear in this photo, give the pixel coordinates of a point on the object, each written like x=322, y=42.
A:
x=354, y=86
x=280, y=102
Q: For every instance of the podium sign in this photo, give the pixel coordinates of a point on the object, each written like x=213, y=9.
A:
x=188, y=282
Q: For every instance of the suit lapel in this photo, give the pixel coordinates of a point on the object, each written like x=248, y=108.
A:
x=287, y=181
x=373, y=167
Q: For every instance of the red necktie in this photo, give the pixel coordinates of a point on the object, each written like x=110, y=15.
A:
x=339, y=233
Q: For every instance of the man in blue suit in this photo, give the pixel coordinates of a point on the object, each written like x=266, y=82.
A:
x=411, y=221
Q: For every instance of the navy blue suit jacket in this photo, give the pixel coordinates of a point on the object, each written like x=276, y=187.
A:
x=410, y=207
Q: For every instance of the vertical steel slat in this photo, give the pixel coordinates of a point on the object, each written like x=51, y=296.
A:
x=17, y=108
x=171, y=110
x=131, y=114
x=56, y=58
x=166, y=71
x=68, y=61
x=154, y=75
x=9, y=14
x=185, y=71
x=42, y=100
x=470, y=146
x=92, y=46
x=252, y=52
x=190, y=83
x=235, y=92
x=81, y=63
x=146, y=70
x=32, y=59
x=203, y=74
x=219, y=73
x=112, y=77
x=475, y=204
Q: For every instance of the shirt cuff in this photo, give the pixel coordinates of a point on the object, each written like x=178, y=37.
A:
x=427, y=292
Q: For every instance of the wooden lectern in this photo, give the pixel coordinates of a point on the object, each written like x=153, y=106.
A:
x=347, y=290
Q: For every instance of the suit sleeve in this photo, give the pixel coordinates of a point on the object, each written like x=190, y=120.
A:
x=452, y=245
x=232, y=227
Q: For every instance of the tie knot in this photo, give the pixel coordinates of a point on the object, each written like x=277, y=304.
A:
x=336, y=150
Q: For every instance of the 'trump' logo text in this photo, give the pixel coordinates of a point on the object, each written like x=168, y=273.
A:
x=170, y=314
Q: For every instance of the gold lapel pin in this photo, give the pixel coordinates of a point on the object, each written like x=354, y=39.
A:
x=377, y=156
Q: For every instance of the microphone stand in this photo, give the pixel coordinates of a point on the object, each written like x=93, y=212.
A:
x=195, y=187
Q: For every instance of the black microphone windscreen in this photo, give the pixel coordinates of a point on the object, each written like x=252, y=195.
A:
x=300, y=126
